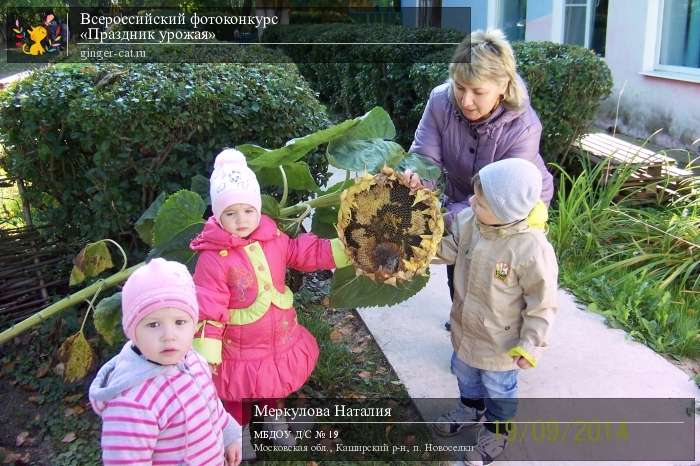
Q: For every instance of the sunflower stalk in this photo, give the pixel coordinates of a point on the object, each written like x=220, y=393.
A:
x=300, y=210
x=327, y=200
x=65, y=303
x=285, y=189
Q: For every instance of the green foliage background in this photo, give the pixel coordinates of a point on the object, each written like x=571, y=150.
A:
x=97, y=144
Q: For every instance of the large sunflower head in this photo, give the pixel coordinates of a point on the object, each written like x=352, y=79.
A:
x=390, y=231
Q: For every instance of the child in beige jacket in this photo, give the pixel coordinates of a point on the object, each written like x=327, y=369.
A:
x=505, y=298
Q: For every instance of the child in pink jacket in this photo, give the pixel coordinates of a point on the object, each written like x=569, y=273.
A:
x=156, y=399
x=248, y=329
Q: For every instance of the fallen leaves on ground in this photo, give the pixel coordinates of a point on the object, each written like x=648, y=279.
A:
x=18, y=459
x=43, y=370
x=21, y=438
x=74, y=411
x=73, y=398
x=336, y=336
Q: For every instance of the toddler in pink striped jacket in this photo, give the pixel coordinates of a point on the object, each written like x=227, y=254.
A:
x=156, y=398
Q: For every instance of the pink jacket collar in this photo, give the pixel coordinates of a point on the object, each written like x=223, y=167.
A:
x=214, y=237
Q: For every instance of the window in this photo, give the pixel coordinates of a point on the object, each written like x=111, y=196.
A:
x=576, y=22
x=679, y=44
x=511, y=18
x=430, y=13
x=585, y=23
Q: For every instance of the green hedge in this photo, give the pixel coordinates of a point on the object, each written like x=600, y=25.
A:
x=98, y=143
x=566, y=83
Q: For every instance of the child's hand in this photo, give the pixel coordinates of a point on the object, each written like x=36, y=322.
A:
x=213, y=368
x=233, y=453
x=522, y=362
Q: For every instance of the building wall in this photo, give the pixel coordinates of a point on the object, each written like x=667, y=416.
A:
x=479, y=9
x=647, y=103
x=539, y=20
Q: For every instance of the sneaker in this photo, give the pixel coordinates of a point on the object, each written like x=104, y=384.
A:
x=247, y=450
x=462, y=416
x=488, y=446
x=279, y=431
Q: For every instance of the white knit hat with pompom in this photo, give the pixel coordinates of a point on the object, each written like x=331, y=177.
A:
x=232, y=182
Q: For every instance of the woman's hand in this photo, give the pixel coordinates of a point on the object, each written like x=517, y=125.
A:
x=414, y=181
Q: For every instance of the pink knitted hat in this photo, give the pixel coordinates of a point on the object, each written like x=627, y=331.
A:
x=232, y=182
x=156, y=285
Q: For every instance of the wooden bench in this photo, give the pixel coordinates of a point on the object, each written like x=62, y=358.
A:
x=654, y=175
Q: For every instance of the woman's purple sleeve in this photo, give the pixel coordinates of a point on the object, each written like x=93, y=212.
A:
x=427, y=140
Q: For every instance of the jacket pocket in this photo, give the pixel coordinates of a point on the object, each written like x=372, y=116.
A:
x=503, y=331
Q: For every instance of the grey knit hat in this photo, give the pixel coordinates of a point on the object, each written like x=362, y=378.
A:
x=512, y=187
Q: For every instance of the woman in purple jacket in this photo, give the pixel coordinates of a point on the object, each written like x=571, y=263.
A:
x=480, y=115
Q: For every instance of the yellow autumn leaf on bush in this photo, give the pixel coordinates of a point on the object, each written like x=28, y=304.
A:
x=77, y=356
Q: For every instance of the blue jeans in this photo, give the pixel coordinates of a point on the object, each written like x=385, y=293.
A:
x=498, y=389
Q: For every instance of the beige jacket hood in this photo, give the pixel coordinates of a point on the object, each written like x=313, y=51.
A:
x=505, y=291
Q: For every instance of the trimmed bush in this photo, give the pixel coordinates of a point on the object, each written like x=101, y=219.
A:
x=98, y=143
x=566, y=83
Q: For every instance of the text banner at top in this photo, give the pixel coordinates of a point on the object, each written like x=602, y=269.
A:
x=278, y=34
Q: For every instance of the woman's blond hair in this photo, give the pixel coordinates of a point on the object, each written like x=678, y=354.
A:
x=487, y=56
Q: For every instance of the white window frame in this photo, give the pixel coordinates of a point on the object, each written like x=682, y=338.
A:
x=652, y=52
x=558, y=21
x=418, y=7
x=492, y=7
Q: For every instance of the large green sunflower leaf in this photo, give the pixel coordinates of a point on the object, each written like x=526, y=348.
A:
x=351, y=291
x=108, y=318
x=294, y=150
x=144, y=225
x=178, y=212
x=177, y=248
x=325, y=219
x=426, y=169
x=298, y=176
x=365, y=155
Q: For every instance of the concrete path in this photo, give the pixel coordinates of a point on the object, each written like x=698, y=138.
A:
x=586, y=358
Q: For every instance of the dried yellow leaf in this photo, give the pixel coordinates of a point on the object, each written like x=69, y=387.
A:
x=77, y=356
